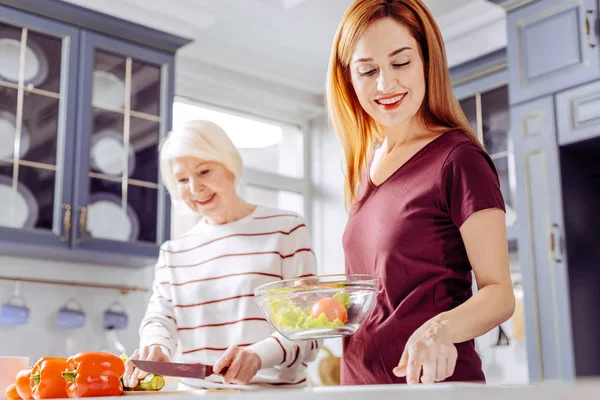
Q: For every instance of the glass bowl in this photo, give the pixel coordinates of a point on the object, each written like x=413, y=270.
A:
x=317, y=307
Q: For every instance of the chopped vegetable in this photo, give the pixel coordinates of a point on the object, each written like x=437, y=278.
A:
x=327, y=313
x=332, y=308
x=343, y=298
x=151, y=382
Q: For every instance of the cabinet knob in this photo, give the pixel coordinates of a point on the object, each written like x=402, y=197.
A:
x=66, y=223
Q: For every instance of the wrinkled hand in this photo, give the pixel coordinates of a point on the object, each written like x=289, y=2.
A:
x=431, y=349
x=243, y=365
x=133, y=375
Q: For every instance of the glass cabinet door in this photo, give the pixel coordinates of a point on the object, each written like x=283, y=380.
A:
x=36, y=129
x=495, y=134
x=487, y=112
x=124, y=118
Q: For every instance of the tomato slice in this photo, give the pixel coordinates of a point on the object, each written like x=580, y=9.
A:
x=332, y=308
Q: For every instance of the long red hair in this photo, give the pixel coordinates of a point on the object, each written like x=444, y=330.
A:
x=357, y=131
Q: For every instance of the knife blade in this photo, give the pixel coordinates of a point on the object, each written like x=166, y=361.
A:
x=180, y=370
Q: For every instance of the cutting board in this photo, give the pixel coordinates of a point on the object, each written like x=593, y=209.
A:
x=198, y=392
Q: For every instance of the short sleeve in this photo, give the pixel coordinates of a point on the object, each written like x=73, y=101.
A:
x=469, y=183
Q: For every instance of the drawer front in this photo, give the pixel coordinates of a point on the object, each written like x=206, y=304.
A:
x=578, y=113
x=555, y=47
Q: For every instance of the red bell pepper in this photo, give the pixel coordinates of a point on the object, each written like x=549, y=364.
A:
x=94, y=374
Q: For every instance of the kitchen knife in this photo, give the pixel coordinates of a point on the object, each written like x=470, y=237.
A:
x=180, y=370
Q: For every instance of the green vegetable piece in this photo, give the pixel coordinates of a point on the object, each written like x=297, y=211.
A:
x=343, y=298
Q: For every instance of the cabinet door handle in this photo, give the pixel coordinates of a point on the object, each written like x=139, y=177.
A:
x=555, y=243
x=66, y=223
x=82, y=225
x=588, y=28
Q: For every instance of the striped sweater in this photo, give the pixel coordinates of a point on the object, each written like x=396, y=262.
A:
x=203, y=301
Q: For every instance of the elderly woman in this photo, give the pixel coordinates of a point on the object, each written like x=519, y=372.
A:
x=202, y=297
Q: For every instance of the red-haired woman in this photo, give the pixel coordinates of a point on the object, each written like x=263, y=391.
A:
x=424, y=198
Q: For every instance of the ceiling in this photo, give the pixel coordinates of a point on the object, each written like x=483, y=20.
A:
x=287, y=42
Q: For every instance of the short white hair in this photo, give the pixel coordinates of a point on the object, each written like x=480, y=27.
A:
x=201, y=139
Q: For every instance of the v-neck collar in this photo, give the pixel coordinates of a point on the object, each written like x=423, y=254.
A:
x=415, y=156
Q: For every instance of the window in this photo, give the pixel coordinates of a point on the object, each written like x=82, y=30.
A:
x=274, y=198
x=264, y=146
x=273, y=155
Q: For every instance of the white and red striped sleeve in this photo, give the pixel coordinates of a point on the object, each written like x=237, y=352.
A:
x=299, y=261
x=159, y=326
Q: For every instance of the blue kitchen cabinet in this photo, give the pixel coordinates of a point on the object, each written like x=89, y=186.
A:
x=553, y=45
x=124, y=111
x=578, y=113
x=542, y=254
x=38, y=81
x=85, y=100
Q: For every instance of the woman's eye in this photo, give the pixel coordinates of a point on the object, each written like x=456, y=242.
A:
x=367, y=73
x=400, y=65
x=204, y=171
x=182, y=180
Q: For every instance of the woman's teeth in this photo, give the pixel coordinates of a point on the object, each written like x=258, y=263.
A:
x=207, y=198
x=391, y=101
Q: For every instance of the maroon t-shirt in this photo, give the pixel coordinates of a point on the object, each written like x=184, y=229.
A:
x=406, y=233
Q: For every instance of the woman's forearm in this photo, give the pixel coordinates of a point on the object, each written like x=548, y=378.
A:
x=492, y=305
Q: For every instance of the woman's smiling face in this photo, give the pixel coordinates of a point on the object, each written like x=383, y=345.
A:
x=387, y=73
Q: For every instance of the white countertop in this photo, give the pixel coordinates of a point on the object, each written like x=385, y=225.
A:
x=581, y=390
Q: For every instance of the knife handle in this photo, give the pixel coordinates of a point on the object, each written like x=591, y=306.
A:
x=209, y=370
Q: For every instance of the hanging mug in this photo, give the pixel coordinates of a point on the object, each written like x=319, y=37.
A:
x=70, y=315
x=115, y=316
x=14, y=312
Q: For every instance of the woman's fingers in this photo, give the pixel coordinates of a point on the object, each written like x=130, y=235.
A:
x=225, y=360
x=451, y=364
x=234, y=369
x=144, y=355
x=415, y=361
x=441, y=370
x=429, y=371
x=128, y=375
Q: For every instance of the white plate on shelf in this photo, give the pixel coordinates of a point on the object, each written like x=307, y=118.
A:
x=108, y=90
x=106, y=218
x=107, y=153
x=36, y=63
x=23, y=213
x=8, y=126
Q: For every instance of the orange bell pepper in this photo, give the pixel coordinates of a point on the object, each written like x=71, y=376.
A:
x=23, y=384
x=94, y=374
x=46, y=379
x=11, y=392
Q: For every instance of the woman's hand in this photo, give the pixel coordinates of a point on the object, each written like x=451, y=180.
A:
x=133, y=375
x=431, y=349
x=243, y=365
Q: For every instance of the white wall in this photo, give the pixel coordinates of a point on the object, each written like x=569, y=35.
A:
x=41, y=336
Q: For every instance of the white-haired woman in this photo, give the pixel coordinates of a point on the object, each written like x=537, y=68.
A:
x=202, y=297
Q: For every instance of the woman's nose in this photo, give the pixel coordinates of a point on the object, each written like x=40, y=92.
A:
x=386, y=81
x=196, y=186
